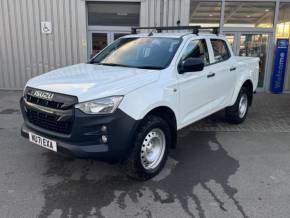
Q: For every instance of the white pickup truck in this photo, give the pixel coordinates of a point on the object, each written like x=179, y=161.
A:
x=129, y=101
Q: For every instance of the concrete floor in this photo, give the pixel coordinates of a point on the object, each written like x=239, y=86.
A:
x=217, y=170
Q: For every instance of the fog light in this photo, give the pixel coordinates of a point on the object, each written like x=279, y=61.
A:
x=104, y=138
x=104, y=129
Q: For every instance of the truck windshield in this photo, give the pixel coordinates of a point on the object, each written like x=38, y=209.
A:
x=143, y=52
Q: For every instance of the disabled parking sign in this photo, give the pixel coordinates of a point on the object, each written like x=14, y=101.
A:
x=46, y=27
x=278, y=75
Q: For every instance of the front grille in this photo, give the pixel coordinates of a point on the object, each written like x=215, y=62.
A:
x=49, y=122
x=43, y=102
x=61, y=105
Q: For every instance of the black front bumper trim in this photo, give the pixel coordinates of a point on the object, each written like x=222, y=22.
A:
x=84, y=140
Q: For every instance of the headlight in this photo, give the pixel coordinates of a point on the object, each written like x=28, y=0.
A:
x=100, y=106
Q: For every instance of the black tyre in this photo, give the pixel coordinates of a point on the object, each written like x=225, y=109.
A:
x=150, y=149
x=238, y=112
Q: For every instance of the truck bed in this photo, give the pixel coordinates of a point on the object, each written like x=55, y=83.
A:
x=250, y=64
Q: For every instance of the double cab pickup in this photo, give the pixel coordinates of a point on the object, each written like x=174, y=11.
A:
x=129, y=101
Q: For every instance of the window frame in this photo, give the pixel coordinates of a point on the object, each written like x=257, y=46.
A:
x=227, y=48
x=115, y=3
x=187, y=44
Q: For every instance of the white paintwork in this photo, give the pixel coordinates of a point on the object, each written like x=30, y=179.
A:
x=191, y=96
x=88, y=81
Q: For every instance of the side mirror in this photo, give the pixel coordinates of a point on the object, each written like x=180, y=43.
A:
x=191, y=65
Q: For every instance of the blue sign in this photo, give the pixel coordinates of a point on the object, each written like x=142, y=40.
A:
x=278, y=76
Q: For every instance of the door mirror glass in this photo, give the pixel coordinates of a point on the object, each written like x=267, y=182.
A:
x=191, y=65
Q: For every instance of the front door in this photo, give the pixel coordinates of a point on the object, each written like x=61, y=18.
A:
x=98, y=40
x=194, y=94
x=250, y=44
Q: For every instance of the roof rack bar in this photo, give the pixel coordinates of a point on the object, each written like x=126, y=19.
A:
x=195, y=29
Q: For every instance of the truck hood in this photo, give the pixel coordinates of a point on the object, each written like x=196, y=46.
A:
x=89, y=81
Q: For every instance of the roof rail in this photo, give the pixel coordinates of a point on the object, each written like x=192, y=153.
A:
x=194, y=29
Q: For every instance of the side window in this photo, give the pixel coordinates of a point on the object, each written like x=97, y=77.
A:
x=220, y=50
x=195, y=49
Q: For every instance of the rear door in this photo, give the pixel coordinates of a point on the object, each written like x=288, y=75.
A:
x=223, y=70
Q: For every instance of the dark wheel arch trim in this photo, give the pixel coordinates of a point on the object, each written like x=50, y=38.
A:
x=168, y=115
x=249, y=86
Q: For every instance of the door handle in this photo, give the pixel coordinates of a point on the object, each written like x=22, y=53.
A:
x=233, y=68
x=210, y=75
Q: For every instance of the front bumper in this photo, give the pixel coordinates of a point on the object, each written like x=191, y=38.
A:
x=84, y=140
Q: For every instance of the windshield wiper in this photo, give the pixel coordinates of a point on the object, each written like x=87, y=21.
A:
x=139, y=67
x=112, y=64
x=150, y=67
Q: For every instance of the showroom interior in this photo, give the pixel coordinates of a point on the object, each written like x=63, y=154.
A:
x=82, y=28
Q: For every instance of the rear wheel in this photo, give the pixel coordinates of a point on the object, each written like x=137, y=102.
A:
x=238, y=112
x=150, y=149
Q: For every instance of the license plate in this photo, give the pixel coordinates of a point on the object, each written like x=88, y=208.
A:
x=43, y=142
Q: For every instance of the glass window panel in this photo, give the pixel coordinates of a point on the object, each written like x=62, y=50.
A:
x=231, y=39
x=143, y=52
x=205, y=13
x=197, y=49
x=249, y=14
x=283, y=31
x=255, y=45
x=99, y=42
x=113, y=13
x=220, y=50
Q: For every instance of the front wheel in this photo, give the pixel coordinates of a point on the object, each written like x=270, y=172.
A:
x=238, y=112
x=150, y=149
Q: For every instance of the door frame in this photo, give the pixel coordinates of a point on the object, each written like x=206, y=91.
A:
x=90, y=40
x=109, y=30
x=268, y=65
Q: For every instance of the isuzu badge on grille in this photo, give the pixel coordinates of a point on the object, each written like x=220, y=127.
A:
x=43, y=95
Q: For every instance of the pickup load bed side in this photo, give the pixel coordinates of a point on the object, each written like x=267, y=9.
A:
x=250, y=72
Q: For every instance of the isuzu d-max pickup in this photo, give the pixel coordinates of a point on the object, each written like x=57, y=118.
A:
x=129, y=101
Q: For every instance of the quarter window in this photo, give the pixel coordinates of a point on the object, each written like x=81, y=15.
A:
x=220, y=50
x=197, y=49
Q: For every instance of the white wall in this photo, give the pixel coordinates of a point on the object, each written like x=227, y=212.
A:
x=25, y=52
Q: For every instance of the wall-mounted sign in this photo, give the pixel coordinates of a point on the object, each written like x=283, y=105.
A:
x=278, y=76
x=46, y=27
